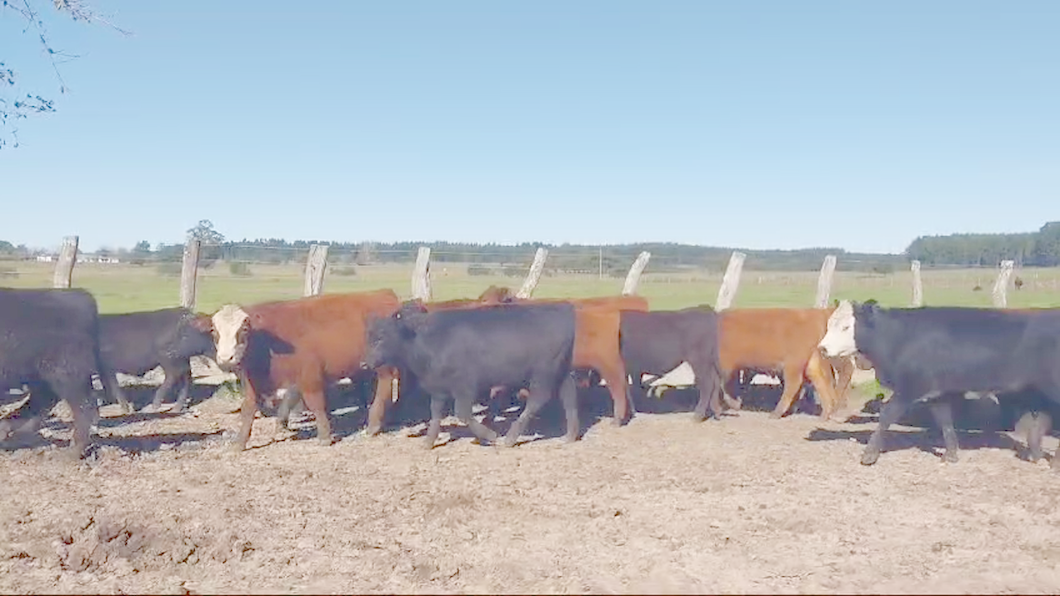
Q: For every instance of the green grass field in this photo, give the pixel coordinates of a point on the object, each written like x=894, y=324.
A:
x=125, y=288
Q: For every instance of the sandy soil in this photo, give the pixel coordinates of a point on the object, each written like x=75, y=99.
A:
x=663, y=505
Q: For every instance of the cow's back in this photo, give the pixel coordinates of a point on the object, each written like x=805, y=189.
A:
x=132, y=340
x=325, y=333
x=657, y=338
x=54, y=327
x=769, y=337
x=530, y=336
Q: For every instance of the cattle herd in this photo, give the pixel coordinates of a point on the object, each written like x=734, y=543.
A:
x=286, y=353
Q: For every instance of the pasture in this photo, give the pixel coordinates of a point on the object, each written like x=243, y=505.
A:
x=663, y=505
x=126, y=288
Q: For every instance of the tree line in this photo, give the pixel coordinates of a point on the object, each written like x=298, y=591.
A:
x=1041, y=249
x=1034, y=249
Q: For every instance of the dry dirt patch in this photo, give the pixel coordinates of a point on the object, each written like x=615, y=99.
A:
x=744, y=504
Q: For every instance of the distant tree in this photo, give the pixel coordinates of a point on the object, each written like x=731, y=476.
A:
x=204, y=232
x=6, y=248
x=210, y=249
x=17, y=103
x=1046, y=251
x=140, y=253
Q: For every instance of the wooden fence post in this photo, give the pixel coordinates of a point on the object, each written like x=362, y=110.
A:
x=1001, y=285
x=918, y=285
x=421, y=275
x=633, y=277
x=530, y=283
x=189, y=268
x=824, y=282
x=64, y=267
x=730, y=282
x=315, y=266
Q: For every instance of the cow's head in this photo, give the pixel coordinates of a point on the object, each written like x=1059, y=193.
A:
x=197, y=331
x=230, y=328
x=388, y=337
x=846, y=321
x=497, y=295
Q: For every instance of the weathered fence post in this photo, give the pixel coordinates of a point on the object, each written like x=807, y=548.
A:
x=730, y=282
x=315, y=266
x=64, y=267
x=527, y=289
x=633, y=277
x=188, y=273
x=824, y=282
x=421, y=278
x=1001, y=285
x=918, y=285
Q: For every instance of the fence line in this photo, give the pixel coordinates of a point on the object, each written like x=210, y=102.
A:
x=317, y=256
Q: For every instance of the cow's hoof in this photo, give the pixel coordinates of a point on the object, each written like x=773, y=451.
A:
x=950, y=457
x=776, y=415
x=427, y=445
x=326, y=441
x=1033, y=457
x=235, y=448
x=372, y=431
x=869, y=457
x=506, y=442
x=616, y=421
x=568, y=439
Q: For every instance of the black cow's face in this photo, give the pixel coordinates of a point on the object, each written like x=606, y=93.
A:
x=385, y=343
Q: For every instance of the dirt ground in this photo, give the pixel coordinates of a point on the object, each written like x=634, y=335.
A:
x=663, y=505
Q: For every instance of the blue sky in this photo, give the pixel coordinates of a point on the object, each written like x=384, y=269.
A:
x=744, y=124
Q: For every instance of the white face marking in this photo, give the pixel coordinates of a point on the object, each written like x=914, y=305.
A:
x=227, y=323
x=839, y=339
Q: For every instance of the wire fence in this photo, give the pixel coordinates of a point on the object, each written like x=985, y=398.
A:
x=249, y=273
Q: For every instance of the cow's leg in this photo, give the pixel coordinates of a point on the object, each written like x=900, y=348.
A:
x=246, y=413
x=615, y=375
x=316, y=402
x=383, y=393
x=183, y=391
x=568, y=394
x=942, y=411
x=111, y=387
x=464, y=406
x=844, y=373
x=632, y=381
x=889, y=414
x=708, y=382
x=172, y=377
x=76, y=391
x=27, y=420
x=291, y=397
x=538, y=397
x=792, y=384
x=435, y=425
x=820, y=373
x=1040, y=424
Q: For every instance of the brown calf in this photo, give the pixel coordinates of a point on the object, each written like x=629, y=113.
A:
x=300, y=345
x=779, y=339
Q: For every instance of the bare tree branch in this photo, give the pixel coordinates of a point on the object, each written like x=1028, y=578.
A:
x=18, y=107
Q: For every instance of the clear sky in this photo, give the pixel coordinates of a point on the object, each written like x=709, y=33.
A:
x=781, y=124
